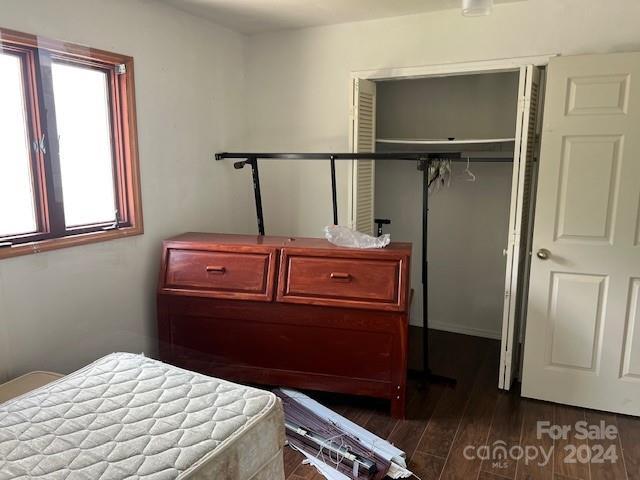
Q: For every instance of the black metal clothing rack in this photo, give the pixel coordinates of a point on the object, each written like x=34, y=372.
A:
x=422, y=158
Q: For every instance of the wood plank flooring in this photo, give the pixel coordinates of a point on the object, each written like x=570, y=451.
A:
x=442, y=421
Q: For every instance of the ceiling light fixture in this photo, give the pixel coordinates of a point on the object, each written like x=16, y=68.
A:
x=476, y=8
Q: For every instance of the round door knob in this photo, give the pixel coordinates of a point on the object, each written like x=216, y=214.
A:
x=543, y=254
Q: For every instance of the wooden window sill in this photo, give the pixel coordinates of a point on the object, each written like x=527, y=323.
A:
x=70, y=241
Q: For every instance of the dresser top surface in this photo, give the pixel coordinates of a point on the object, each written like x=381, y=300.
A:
x=277, y=241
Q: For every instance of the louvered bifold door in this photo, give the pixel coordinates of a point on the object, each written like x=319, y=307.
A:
x=364, y=140
x=518, y=259
x=524, y=220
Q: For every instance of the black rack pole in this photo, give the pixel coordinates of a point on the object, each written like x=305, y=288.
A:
x=334, y=193
x=425, y=268
x=253, y=161
x=426, y=374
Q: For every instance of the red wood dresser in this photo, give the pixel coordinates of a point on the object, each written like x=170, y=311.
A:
x=291, y=312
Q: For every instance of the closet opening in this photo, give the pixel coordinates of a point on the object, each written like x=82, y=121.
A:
x=478, y=212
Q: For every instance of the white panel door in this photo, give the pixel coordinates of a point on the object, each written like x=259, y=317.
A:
x=364, y=140
x=517, y=252
x=582, y=344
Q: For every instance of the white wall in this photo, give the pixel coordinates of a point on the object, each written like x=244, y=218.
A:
x=61, y=309
x=468, y=221
x=298, y=81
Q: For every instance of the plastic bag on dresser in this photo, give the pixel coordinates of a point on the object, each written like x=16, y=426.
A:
x=345, y=237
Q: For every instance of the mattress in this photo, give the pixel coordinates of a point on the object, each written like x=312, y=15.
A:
x=128, y=416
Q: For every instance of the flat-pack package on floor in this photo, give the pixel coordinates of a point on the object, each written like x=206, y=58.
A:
x=338, y=448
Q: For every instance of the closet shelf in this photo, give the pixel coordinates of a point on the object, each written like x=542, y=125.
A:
x=478, y=149
x=455, y=141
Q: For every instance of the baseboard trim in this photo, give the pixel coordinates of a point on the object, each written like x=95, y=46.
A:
x=476, y=332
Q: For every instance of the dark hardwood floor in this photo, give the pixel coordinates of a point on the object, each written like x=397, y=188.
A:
x=444, y=421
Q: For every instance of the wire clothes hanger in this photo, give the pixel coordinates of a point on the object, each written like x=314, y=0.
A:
x=471, y=177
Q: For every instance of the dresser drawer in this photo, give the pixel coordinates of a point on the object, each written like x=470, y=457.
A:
x=220, y=274
x=341, y=281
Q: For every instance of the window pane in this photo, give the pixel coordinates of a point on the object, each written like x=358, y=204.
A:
x=82, y=115
x=17, y=209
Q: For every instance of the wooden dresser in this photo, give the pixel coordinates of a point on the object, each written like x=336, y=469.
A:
x=291, y=312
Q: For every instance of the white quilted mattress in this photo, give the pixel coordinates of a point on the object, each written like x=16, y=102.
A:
x=127, y=416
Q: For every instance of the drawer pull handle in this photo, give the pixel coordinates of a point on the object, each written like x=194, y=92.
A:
x=215, y=269
x=345, y=277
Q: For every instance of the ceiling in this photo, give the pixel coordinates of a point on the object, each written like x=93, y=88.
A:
x=258, y=16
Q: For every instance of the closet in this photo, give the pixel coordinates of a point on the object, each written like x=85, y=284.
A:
x=479, y=217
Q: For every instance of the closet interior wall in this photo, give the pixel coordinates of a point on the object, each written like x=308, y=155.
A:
x=468, y=222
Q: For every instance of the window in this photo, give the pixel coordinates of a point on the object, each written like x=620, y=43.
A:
x=68, y=145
